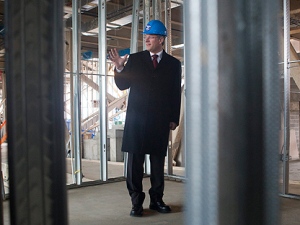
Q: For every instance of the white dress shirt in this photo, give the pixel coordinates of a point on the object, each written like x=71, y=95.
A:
x=159, y=56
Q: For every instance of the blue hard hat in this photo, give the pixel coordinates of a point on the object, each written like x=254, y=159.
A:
x=155, y=27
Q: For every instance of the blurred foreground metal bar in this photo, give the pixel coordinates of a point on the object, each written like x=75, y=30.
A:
x=232, y=112
x=34, y=64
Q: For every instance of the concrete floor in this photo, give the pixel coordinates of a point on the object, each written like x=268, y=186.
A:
x=290, y=208
x=109, y=204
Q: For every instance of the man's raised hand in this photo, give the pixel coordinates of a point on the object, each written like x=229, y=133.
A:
x=116, y=59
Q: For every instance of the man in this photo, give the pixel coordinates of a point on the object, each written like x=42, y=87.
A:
x=153, y=110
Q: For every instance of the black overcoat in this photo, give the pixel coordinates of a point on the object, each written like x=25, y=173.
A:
x=153, y=102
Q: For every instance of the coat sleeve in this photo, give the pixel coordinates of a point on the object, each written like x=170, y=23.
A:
x=123, y=79
x=176, y=95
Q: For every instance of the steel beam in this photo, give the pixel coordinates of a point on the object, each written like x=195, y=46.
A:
x=286, y=100
x=102, y=89
x=76, y=113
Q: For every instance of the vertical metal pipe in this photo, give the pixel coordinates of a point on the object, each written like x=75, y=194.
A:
x=271, y=110
x=231, y=131
x=4, y=97
x=170, y=156
x=2, y=133
x=146, y=19
x=156, y=8
x=135, y=26
x=125, y=164
x=102, y=88
x=69, y=37
x=201, y=70
x=286, y=104
x=146, y=16
x=146, y=10
x=168, y=24
x=34, y=66
x=76, y=120
x=168, y=44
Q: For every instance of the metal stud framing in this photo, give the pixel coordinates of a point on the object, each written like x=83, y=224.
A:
x=76, y=110
x=102, y=89
x=286, y=104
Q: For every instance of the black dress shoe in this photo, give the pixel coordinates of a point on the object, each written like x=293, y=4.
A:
x=137, y=210
x=159, y=206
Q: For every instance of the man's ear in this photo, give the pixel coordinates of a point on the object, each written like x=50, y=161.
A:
x=162, y=40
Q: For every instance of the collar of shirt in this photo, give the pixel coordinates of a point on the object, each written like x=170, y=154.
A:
x=159, y=55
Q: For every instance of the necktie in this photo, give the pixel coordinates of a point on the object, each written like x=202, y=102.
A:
x=155, y=63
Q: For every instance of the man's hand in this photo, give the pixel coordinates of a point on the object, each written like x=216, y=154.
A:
x=173, y=126
x=116, y=59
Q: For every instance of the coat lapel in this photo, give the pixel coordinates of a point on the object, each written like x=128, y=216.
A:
x=148, y=59
x=163, y=60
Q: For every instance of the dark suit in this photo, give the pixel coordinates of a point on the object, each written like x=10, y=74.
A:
x=154, y=102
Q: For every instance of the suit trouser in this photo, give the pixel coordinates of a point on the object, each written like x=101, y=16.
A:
x=135, y=173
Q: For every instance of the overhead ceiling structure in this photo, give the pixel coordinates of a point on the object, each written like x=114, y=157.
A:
x=119, y=18
x=119, y=24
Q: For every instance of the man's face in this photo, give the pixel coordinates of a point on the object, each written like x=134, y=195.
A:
x=153, y=42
